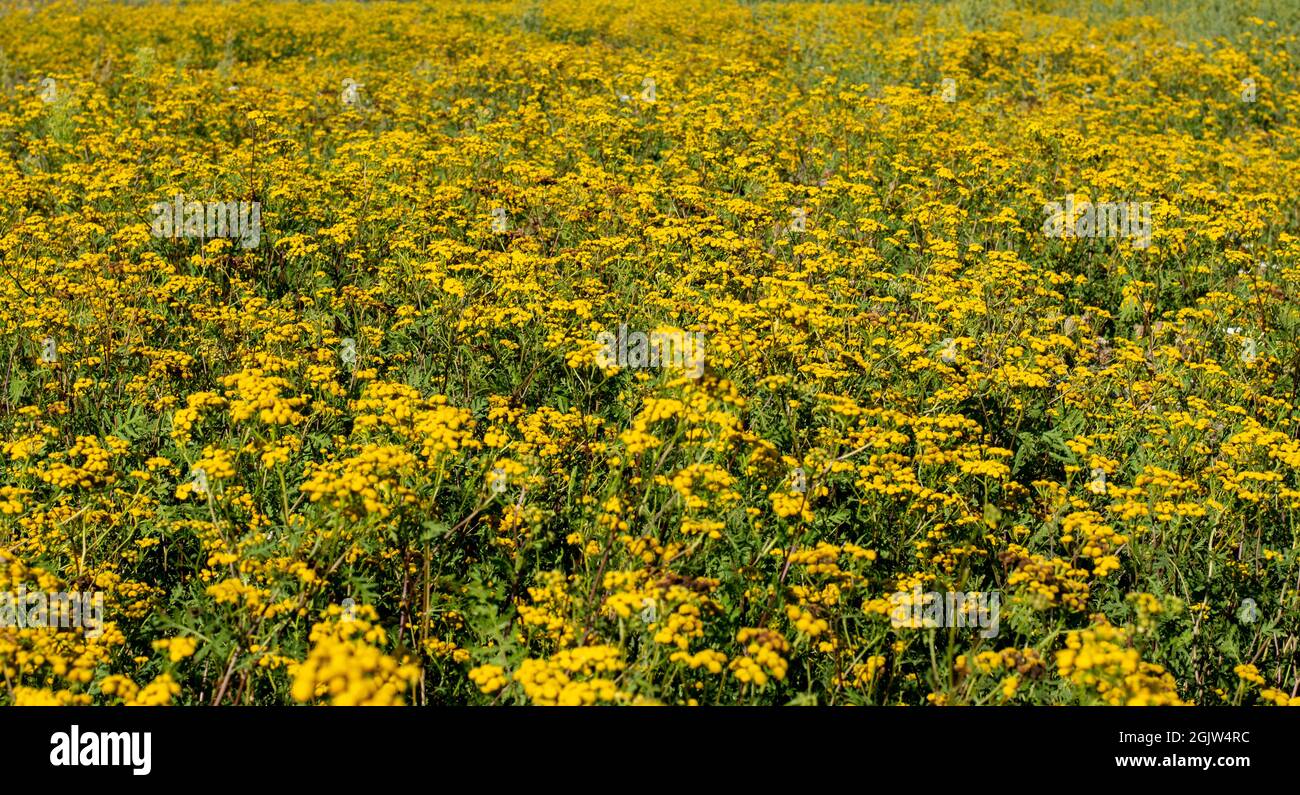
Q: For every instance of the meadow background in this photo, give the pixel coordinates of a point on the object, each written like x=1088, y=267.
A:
x=421, y=488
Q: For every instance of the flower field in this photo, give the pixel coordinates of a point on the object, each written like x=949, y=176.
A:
x=649, y=352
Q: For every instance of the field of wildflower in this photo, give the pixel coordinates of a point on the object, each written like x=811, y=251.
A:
x=650, y=352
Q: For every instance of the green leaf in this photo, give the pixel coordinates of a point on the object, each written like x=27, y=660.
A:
x=433, y=529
